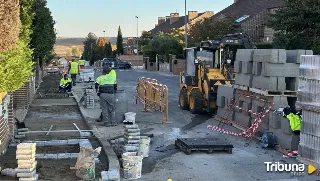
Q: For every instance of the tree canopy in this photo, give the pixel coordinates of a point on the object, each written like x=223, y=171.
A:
x=16, y=64
x=10, y=24
x=163, y=45
x=119, y=42
x=90, y=47
x=214, y=30
x=43, y=36
x=297, y=25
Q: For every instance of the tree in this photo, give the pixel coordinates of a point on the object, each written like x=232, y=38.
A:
x=10, y=24
x=178, y=34
x=145, y=38
x=16, y=64
x=163, y=45
x=75, y=51
x=108, y=50
x=102, y=41
x=90, y=46
x=208, y=28
x=119, y=42
x=297, y=25
x=43, y=36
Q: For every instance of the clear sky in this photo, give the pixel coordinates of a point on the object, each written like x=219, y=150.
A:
x=76, y=18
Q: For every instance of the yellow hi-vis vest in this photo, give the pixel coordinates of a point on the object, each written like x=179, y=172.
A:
x=114, y=74
x=295, y=122
x=63, y=81
x=82, y=62
x=74, y=68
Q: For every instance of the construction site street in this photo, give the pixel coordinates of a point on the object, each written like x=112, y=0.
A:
x=165, y=160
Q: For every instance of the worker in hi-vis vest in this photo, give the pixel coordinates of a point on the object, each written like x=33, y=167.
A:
x=294, y=120
x=105, y=88
x=65, y=84
x=81, y=64
x=114, y=73
x=74, y=71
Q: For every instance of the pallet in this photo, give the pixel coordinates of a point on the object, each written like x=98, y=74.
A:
x=210, y=145
x=240, y=87
x=286, y=93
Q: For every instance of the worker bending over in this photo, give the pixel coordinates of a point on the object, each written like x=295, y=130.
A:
x=81, y=63
x=74, y=71
x=105, y=88
x=65, y=84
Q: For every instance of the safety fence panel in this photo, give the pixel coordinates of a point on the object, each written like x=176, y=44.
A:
x=153, y=96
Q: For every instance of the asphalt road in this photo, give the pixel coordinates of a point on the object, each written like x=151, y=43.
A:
x=165, y=161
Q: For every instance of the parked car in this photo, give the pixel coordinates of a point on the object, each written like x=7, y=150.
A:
x=116, y=64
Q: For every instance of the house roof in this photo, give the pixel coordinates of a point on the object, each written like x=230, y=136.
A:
x=166, y=26
x=247, y=7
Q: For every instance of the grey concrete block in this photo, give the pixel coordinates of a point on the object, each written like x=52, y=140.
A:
x=222, y=113
x=279, y=101
x=237, y=66
x=280, y=70
x=225, y=90
x=244, y=54
x=256, y=68
x=314, y=155
x=263, y=127
x=292, y=83
x=274, y=120
x=240, y=95
x=242, y=119
x=269, y=83
x=285, y=125
x=258, y=109
x=245, y=106
x=244, y=79
x=270, y=55
x=221, y=101
x=246, y=67
x=304, y=152
x=293, y=56
x=286, y=141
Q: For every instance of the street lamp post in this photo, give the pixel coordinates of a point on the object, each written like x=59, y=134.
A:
x=186, y=22
x=104, y=34
x=137, y=35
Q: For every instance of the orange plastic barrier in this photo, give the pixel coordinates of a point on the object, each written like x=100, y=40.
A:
x=153, y=95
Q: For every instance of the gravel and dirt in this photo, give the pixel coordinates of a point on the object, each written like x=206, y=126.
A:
x=41, y=115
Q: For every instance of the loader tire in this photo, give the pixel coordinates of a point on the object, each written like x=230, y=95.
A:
x=183, y=99
x=196, y=102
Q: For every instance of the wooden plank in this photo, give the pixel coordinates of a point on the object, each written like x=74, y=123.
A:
x=286, y=93
x=240, y=87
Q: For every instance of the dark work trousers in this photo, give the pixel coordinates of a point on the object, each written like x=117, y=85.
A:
x=66, y=88
x=74, y=79
x=107, y=104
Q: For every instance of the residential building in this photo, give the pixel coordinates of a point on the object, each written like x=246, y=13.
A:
x=252, y=15
x=175, y=21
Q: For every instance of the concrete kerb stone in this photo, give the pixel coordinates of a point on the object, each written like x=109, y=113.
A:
x=112, y=157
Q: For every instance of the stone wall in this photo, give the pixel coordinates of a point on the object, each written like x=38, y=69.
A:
x=164, y=67
x=136, y=60
x=4, y=123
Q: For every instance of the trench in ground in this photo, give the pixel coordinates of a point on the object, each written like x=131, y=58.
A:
x=62, y=117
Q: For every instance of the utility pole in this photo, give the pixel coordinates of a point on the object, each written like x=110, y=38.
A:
x=186, y=22
x=137, y=35
x=104, y=34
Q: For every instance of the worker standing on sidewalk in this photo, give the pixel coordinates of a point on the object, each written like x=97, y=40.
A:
x=106, y=89
x=114, y=74
x=74, y=71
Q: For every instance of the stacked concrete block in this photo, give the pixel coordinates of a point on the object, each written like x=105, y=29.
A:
x=242, y=116
x=309, y=102
x=89, y=100
x=243, y=67
x=224, y=97
x=26, y=162
x=131, y=138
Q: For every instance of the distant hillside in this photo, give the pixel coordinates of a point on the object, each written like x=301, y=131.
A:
x=79, y=41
